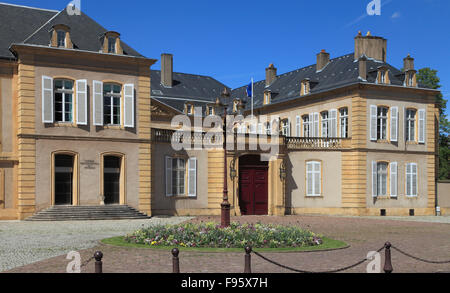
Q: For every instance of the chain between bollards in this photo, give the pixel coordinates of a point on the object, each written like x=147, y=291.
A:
x=387, y=258
x=98, y=262
x=248, y=260
x=175, y=261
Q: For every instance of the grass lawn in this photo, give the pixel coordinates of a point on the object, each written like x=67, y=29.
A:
x=328, y=244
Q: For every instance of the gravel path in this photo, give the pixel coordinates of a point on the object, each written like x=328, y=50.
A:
x=23, y=243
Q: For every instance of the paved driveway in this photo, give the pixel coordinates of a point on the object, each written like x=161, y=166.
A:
x=425, y=239
x=23, y=243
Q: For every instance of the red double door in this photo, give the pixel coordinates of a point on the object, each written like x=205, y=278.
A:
x=253, y=191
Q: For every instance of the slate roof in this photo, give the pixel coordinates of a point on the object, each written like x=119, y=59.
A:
x=26, y=25
x=199, y=90
x=339, y=72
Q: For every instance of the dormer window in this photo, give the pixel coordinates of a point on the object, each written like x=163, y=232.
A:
x=60, y=36
x=267, y=97
x=383, y=75
x=410, y=78
x=189, y=109
x=305, y=87
x=210, y=111
x=111, y=43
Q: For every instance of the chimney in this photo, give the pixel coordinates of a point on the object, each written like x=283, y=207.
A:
x=167, y=70
x=408, y=63
x=271, y=74
x=323, y=58
x=363, y=67
x=371, y=46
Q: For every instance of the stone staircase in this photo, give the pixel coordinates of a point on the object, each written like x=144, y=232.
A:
x=88, y=213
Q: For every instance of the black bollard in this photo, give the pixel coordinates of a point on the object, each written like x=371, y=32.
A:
x=248, y=260
x=387, y=258
x=98, y=262
x=176, y=261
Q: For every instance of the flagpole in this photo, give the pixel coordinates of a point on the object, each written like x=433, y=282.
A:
x=252, y=96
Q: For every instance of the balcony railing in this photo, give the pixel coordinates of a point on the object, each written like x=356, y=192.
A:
x=295, y=143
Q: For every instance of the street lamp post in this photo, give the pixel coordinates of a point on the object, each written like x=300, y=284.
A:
x=225, y=206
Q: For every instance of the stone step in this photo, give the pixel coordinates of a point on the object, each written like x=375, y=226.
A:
x=81, y=213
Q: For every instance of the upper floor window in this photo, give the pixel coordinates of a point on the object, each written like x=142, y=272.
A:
x=382, y=119
x=112, y=45
x=268, y=128
x=306, y=126
x=324, y=116
x=112, y=96
x=286, y=127
x=383, y=75
x=410, y=125
x=313, y=178
x=61, y=38
x=63, y=100
x=343, y=119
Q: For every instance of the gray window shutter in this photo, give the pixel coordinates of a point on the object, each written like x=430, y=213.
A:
x=394, y=124
x=47, y=100
x=332, y=125
x=98, y=102
x=374, y=179
x=129, y=105
x=394, y=179
x=81, y=86
x=192, y=177
x=169, y=176
x=373, y=122
x=422, y=125
x=317, y=179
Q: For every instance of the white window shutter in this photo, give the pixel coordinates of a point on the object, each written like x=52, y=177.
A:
x=316, y=125
x=317, y=179
x=192, y=177
x=311, y=125
x=394, y=124
x=47, y=100
x=169, y=176
x=332, y=125
x=394, y=179
x=98, y=102
x=422, y=125
x=81, y=87
x=129, y=105
x=298, y=126
x=373, y=122
x=289, y=127
x=374, y=179
x=260, y=128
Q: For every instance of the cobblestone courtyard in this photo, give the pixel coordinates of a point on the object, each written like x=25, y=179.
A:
x=424, y=239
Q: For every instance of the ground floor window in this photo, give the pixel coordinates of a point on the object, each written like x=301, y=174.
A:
x=411, y=179
x=111, y=179
x=181, y=176
x=313, y=178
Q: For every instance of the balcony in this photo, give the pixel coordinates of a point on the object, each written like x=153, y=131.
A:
x=300, y=143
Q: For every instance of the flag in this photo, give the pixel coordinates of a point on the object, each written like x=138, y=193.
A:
x=250, y=90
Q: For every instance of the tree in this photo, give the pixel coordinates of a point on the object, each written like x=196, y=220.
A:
x=428, y=78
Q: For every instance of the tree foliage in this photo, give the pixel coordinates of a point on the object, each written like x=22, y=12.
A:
x=428, y=77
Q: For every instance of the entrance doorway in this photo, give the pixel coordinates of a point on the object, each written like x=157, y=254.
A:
x=111, y=179
x=253, y=186
x=64, y=179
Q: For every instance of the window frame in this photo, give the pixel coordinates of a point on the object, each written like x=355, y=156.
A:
x=306, y=129
x=312, y=173
x=380, y=179
x=182, y=166
x=63, y=34
x=64, y=92
x=381, y=126
x=112, y=95
x=341, y=119
x=409, y=185
x=325, y=124
x=408, y=125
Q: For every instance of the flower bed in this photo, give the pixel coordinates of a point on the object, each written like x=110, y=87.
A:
x=213, y=236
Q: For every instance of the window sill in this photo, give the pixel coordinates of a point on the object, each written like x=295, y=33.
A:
x=314, y=196
x=116, y=127
x=382, y=141
x=64, y=124
x=412, y=143
x=181, y=197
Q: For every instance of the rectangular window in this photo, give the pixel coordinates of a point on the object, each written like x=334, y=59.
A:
x=286, y=127
x=63, y=100
x=61, y=38
x=306, y=126
x=411, y=125
x=382, y=118
x=411, y=179
x=382, y=175
x=112, y=99
x=344, y=122
x=313, y=178
x=178, y=176
x=111, y=45
x=325, y=123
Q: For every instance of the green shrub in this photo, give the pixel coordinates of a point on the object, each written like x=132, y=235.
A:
x=235, y=236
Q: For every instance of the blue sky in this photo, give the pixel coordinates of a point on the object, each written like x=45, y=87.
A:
x=234, y=41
